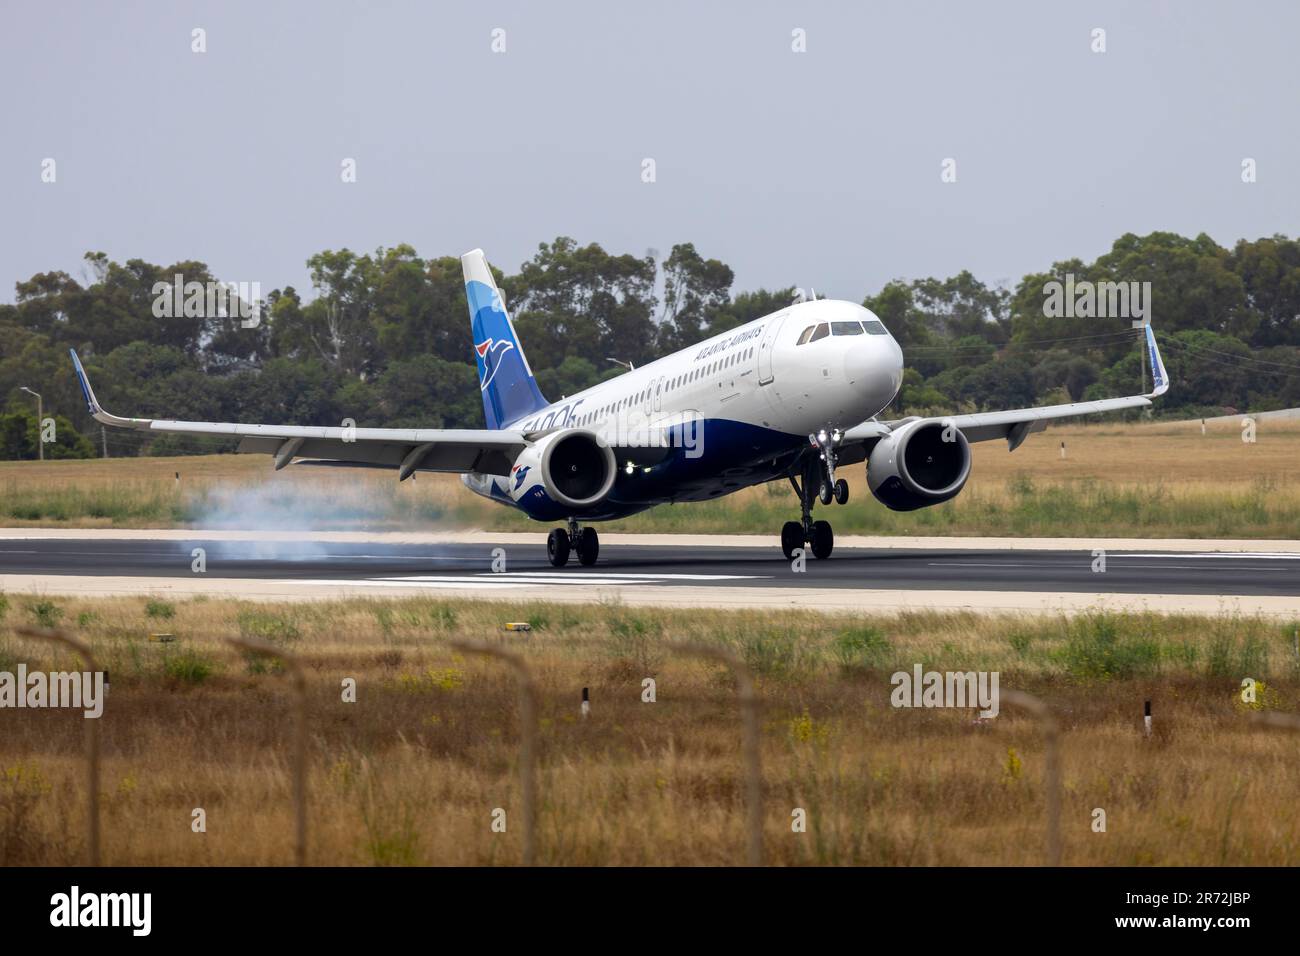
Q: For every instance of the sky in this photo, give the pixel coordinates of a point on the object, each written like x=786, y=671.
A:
x=822, y=168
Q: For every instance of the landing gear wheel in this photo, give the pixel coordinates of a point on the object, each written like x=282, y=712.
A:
x=791, y=538
x=841, y=491
x=557, y=547
x=823, y=539
x=588, y=547
x=825, y=492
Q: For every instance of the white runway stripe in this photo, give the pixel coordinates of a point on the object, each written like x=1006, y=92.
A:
x=488, y=581
x=1268, y=555
x=589, y=577
x=431, y=583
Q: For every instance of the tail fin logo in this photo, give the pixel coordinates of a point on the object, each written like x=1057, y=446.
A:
x=489, y=354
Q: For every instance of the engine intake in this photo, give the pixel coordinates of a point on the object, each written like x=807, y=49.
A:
x=575, y=468
x=921, y=464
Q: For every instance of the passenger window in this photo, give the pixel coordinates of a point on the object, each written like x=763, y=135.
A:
x=846, y=328
x=875, y=327
x=805, y=335
x=820, y=332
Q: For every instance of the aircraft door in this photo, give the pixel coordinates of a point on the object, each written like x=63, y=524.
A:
x=766, y=346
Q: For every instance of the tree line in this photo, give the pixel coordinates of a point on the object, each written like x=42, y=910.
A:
x=383, y=338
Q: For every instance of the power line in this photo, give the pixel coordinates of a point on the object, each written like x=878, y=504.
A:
x=1115, y=336
x=1232, y=355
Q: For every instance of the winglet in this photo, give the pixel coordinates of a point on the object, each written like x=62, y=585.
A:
x=93, y=406
x=1159, y=377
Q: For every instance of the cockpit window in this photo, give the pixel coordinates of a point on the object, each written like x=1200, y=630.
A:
x=820, y=332
x=805, y=335
x=846, y=328
x=875, y=327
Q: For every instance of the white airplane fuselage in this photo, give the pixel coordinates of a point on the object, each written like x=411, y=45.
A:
x=752, y=394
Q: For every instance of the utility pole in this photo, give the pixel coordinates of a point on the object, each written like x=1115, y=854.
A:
x=103, y=438
x=1142, y=361
x=40, y=416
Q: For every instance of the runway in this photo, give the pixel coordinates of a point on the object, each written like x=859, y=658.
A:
x=673, y=570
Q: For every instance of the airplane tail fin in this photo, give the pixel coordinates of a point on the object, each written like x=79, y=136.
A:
x=509, y=390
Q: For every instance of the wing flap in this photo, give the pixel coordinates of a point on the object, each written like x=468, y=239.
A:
x=984, y=426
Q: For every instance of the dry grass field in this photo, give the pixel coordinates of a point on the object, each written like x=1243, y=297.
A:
x=1141, y=480
x=412, y=771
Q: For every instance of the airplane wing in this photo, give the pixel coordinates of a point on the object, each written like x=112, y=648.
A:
x=406, y=449
x=1016, y=425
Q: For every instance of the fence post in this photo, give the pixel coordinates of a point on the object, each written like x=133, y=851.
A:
x=749, y=716
x=1052, y=771
x=263, y=649
x=527, y=735
x=92, y=735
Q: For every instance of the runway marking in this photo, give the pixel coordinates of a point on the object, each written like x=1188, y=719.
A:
x=1265, y=555
x=1083, y=561
x=563, y=577
x=488, y=580
x=430, y=584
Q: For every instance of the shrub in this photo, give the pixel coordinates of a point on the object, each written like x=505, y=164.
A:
x=160, y=610
x=187, y=667
x=46, y=613
x=1097, y=648
x=862, y=648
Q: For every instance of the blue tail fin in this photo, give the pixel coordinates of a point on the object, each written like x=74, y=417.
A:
x=509, y=390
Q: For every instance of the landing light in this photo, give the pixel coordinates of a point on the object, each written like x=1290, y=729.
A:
x=630, y=468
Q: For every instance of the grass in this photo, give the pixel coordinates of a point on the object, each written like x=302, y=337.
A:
x=412, y=772
x=1144, y=480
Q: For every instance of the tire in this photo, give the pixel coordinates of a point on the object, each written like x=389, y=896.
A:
x=557, y=547
x=791, y=538
x=825, y=492
x=841, y=492
x=588, y=547
x=823, y=539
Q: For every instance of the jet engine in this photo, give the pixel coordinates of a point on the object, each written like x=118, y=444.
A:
x=922, y=463
x=573, y=467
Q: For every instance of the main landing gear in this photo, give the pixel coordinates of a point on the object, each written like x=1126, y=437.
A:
x=585, y=541
x=818, y=470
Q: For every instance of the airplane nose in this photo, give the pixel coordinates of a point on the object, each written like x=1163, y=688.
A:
x=873, y=367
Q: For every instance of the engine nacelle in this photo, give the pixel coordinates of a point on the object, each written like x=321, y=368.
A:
x=922, y=463
x=572, y=467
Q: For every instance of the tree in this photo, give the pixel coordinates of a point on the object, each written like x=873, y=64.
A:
x=20, y=435
x=693, y=287
x=571, y=300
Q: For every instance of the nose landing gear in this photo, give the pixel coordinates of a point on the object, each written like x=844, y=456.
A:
x=795, y=534
x=818, y=471
x=560, y=543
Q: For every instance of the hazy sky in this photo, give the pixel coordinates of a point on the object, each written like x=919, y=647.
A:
x=816, y=169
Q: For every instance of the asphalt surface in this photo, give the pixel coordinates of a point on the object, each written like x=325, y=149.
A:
x=469, y=566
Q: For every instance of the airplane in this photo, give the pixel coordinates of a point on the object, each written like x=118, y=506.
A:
x=794, y=395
